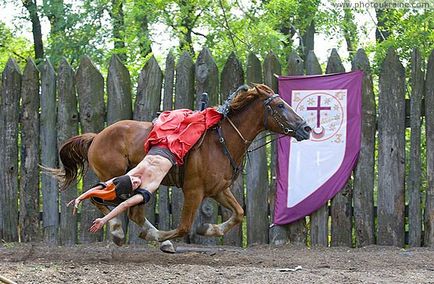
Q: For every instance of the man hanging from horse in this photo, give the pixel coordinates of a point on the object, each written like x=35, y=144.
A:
x=209, y=169
x=172, y=136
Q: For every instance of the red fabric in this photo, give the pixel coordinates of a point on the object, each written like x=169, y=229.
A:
x=180, y=129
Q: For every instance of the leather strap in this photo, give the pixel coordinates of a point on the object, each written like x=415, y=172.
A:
x=235, y=167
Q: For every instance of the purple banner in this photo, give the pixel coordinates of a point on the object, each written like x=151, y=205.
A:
x=311, y=172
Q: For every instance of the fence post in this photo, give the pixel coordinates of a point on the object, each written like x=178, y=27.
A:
x=163, y=191
x=184, y=98
x=364, y=173
x=207, y=80
x=391, y=151
x=257, y=174
x=429, y=115
x=67, y=127
x=318, y=219
x=277, y=235
x=11, y=91
x=232, y=76
x=119, y=103
x=341, y=204
x=48, y=142
x=90, y=91
x=147, y=105
x=29, y=171
x=297, y=231
x=414, y=179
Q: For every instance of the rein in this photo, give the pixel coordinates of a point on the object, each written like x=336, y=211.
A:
x=268, y=109
x=235, y=167
x=239, y=132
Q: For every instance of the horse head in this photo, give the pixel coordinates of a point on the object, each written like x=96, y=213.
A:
x=278, y=116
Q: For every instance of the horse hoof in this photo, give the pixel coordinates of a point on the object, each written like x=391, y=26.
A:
x=118, y=237
x=167, y=247
x=203, y=229
x=118, y=241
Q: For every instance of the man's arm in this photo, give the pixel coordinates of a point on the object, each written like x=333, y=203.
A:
x=99, y=222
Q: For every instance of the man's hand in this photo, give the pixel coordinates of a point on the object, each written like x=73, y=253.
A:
x=76, y=202
x=97, y=224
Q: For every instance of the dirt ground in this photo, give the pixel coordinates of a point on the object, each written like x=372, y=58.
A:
x=105, y=263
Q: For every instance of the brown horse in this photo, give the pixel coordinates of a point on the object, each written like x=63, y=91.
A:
x=220, y=151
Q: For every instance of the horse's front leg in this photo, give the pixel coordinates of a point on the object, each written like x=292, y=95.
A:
x=115, y=225
x=148, y=231
x=228, y=200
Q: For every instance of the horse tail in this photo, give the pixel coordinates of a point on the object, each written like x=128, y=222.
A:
x=73, y=155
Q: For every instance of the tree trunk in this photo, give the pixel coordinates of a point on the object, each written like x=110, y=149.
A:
x=117, y=18
x=142, y=20
x=38, y=46
x=308, y=40
x=381, y=33
x=349, y=29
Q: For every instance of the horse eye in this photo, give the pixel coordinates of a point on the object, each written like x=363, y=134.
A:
x=281, y=106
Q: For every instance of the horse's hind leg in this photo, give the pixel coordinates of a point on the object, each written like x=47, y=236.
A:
x=227, y=199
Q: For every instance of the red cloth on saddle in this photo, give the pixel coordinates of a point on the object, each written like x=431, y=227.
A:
x=180, y=129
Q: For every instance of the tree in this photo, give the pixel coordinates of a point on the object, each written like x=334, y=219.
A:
x=118, y=30
x=32, y=8
x=13, y=46
x=404, y=30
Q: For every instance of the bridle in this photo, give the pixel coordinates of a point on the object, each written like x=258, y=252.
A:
x=280, y=120
x=269, y=110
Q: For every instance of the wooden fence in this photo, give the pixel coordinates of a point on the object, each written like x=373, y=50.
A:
x=42, y=107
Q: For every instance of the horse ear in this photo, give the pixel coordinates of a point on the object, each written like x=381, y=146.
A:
x=243, y=88
x=259, y=89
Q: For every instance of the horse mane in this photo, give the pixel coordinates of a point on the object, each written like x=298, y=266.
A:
x=245, y=98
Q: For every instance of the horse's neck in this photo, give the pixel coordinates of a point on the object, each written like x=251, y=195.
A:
x=249, y=122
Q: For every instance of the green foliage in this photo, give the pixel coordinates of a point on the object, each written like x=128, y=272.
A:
x=408, y=29
x=248, y=32
x=83, y=31
x=18, y=48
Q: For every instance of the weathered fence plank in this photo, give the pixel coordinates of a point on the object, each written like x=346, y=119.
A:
x=414, y=178
x=163, y=191
x=147, y=105
x=318, y=219
x=48, y=142
x=429, y=203
x=11, y=92
x=67, y=127
x=29, y=170
x=257, y=174
x=184, y=98
x=364, y=173
x=297, y=231
x=277, y=235
x=206, y=74
x=341, y=204
x=90, y=91
x=119, y=102
x=232, y=76
x=207, y=78
x=391, y=151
